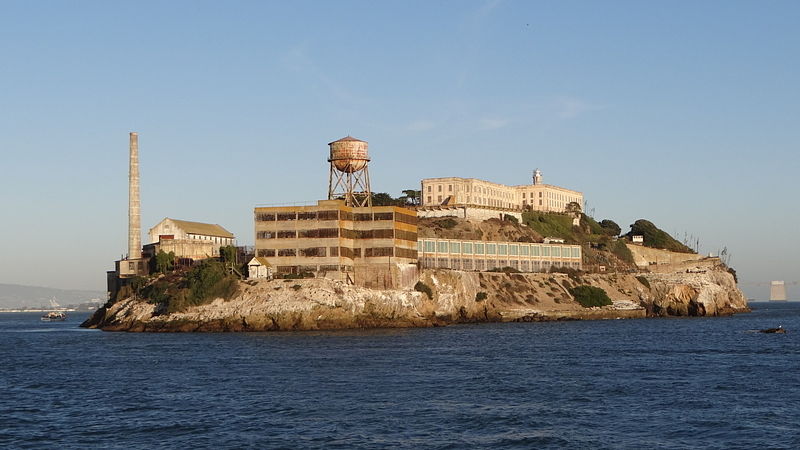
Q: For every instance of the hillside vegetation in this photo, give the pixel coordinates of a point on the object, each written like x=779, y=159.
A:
x=657, y=238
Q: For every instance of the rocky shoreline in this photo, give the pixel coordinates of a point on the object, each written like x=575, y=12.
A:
x=457, y=297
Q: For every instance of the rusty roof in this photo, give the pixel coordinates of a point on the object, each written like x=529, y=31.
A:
x=207, y=229
x=347, y=138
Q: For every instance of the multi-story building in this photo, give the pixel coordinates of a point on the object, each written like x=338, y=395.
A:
x=455, y=191
x=368, y=246
x=487, y=255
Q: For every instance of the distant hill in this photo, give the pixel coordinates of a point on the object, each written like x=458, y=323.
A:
x=18, y=296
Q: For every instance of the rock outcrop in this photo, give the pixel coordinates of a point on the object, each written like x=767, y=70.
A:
x=457, y=297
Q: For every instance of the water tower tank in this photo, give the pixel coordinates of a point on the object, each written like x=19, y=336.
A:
x=349, y=154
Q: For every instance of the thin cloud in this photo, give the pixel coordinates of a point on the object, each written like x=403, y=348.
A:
x=570, y=107
x=421, y=125
x=297, y=60
x=492, y=123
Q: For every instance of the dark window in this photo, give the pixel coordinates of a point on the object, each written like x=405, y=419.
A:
x=328, y=215
x=287, y=234
x=265, y=235
x=287, y=252
x=268, y=252
x=265, y=217
x=287, y=216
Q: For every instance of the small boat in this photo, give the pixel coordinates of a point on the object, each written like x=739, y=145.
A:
x=54, y=316
x=780, y=330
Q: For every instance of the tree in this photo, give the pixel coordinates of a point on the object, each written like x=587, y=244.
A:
x=610, y=227
x=382, y=199
x=412, y=196
x=573, y=207
x=165, y=261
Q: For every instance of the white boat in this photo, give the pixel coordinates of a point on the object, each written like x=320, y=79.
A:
x=54, y=316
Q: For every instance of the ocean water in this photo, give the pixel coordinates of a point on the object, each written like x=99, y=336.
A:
x=651, y=383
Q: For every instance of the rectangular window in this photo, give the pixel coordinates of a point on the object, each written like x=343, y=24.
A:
x=312, y=251
x=535, y=250
x=502, y=249
x=306, y=216
x=419, y=246
x=265, y=235
x=479, y=249
x=333, y=251
x=264, y=217
x=429, y=199
x=430, y=247
x=455, y=247
x=287, y=252
x=328, y=215
x=439, y=188
x=491, y=249
x=513, y=250
x=287, y=216
x=545, y=251
x=576, y=252
x=266, y=252
x=557, y=252
x=450, y=187
x=524, y=250
x=287, y=234
x=442, y=247
x=466, y=247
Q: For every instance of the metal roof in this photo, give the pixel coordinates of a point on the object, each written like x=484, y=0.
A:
x=206, y=229
x=347, y=138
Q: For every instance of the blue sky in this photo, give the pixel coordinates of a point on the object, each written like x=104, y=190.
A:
x=684, y=113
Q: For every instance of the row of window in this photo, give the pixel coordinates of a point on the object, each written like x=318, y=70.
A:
x=346, y=252
x=501, y=249
x=385, y=233
x=334, y=215
x=476, y=264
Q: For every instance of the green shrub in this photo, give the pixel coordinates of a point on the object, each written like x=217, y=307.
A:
x=446, y=223
x=422, y=287
x=622, y=251
x=510, y=218
x=589, y=296
x=657, y=238
x=644, y=281
x=296, y=287
x=481, y=296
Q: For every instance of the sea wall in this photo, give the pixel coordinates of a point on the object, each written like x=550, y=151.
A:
x=456, y=297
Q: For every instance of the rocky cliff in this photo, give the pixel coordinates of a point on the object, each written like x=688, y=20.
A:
x=706, y=289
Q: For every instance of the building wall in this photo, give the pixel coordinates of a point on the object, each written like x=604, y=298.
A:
x=169, y=228
x=336, y=241
x=478, y=213
x=486, y=255
x=186, y=248
x=454, y=191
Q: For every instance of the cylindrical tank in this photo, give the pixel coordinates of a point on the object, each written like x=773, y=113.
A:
x=349, y=154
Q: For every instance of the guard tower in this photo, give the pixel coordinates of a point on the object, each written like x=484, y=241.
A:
x=349, y=176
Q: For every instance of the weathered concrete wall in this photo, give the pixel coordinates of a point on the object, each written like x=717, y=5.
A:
x=646, y=256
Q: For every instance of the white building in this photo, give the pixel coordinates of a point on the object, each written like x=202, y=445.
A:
x=455, y=191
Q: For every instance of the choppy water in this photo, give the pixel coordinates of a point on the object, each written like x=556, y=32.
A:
x=665, y=383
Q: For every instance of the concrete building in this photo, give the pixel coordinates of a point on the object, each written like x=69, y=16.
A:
x=487, y=255
x=455, y=191
x=368, y=246
x=195, y=240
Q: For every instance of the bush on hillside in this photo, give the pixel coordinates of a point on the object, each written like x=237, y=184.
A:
x=656, y=238
x=589, y=296
x=621, y=251
x=506, y=269
x=610, y=227
x=422, y=287
x=645, y=282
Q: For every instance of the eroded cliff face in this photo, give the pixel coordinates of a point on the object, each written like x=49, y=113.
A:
x=458, y=297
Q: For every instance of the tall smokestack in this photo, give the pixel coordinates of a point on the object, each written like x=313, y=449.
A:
x=134, y=222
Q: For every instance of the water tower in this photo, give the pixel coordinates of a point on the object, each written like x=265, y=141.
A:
x=349, y=177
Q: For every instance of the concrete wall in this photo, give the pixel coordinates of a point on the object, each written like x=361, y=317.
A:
x=646, y=256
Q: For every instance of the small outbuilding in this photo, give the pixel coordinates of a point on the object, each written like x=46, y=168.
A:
x=258, y=268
